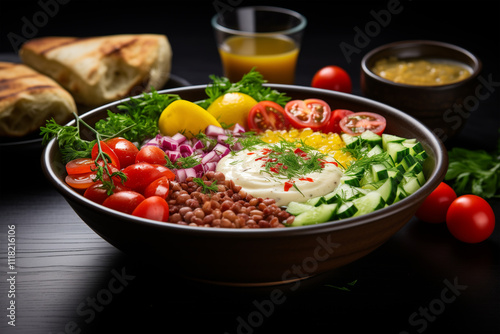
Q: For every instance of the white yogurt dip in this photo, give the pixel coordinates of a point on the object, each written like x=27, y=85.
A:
x=248, y=170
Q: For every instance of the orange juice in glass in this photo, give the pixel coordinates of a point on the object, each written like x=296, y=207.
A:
x=265, y=38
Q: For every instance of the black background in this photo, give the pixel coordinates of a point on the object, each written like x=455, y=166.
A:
x=62, y=262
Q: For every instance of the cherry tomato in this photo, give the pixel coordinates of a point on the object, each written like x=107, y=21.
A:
x=310, y=113
x=333, y=124
x=267, y=115
x=124, y=201
x=80, y=166
x=470, y=219
x=332, y=78
x=141, y=174
x=158, y=187
x=153, y=207
x=435, y=206
x=107, y=150
x=81, y=181
x=151, y=154
x=124, y=149
x=97, y=193
x=358, y=122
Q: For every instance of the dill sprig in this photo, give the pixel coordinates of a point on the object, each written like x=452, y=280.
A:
x=205, y=188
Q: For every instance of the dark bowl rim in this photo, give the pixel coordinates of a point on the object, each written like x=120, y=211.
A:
x=412, y=43
x=437, y=174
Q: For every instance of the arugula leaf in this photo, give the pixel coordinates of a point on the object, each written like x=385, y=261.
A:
x=251, y=84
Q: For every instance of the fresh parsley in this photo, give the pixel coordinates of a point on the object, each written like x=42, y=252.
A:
x=474, y=172
x=250, y=84
x=138, y=115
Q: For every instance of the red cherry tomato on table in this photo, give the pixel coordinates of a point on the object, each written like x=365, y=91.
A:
x=153, y=207
x=107, y=150
x=435, y=206
x=151, y=154
x=267, y=115
x=310, y=113
x=358, y=122
x=124, y=201
x=470, y=219
x=124, y=149
x=332, y=78
x=333, y=125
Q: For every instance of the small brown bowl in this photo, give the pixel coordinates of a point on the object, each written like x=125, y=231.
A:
x=257, y=256
x=444, y=108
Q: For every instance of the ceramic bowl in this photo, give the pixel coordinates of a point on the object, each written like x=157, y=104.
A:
x=444, y=108
x=258, y=256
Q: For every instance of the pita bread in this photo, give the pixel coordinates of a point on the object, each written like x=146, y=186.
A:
x=99, y=70
x=28, y=99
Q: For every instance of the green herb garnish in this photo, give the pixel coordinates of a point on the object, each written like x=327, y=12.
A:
x=474, y=172
x=205, y=187
x=183, y=162
x=251, y=84
x=73, y=146
x=139, y=115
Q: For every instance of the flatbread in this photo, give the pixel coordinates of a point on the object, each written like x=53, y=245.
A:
x=28, y=99
x=99, y=70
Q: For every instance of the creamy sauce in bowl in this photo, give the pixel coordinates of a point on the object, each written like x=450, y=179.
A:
x=259, y=176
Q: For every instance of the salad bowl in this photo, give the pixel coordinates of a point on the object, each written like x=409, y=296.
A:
x=256, y=257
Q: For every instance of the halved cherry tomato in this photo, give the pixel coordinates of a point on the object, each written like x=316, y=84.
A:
x=358, y=122
x=154, y=207
x=81, y=181
x=107, y=150
x=141, y=174
x=124, y=201
x=151, y=154
x=124, y=149
x=333, y=125
x=80, y=166
x=310, y=113
x=267, y=115
x=97, y=193
x=158, y=187
x=334, y=78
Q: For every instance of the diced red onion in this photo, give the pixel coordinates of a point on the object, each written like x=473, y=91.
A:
x=238, y=130
x=173, y=155
x=169, y=144
x=214, y=131
x=221, y=150
x=179, y=137
x=198, y=145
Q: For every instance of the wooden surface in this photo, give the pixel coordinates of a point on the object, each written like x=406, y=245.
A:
x=69, y=280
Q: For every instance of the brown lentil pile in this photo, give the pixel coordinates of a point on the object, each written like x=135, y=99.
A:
x=229, y=207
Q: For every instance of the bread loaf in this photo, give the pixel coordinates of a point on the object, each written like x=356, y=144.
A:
x=99, y=70
x=28, y=99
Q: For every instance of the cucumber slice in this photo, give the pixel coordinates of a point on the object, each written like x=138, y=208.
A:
x=395, y=173
x=374, y=151
x=368, y=203
x=408, y=161
x=410, y=183
x=350, y=180
x=350, y=141
x=379, y=172
x=388, y=190
x=400, y=193
x=296, y=208
x=316, y=215
x=316, y=201
x=397, y=151
x=346, y=210
x=346, y=192
x=386, y=138
x=421, y=156
x=415, y=147
x=371, y=139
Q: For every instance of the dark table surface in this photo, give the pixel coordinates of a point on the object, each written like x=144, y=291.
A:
x=69, y=280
